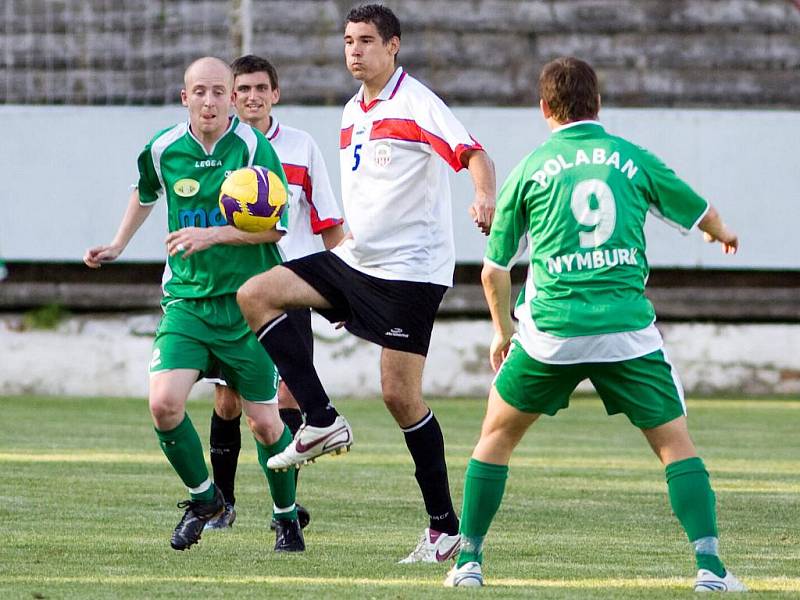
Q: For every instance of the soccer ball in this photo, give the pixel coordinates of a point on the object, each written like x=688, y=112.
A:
x=252, y=199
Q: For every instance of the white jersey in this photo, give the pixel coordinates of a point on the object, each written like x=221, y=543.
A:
x=312, y=205
x=395, y=190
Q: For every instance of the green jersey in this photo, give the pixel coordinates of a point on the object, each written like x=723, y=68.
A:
x=580, y=200
x=175, y=165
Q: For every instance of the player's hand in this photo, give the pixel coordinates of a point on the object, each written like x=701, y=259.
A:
x=728, y=239
x=95, y=257
x=482, y=212
x=190, y=240
x=501, y=344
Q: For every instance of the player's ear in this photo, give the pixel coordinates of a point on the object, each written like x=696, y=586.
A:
x=394, y=45
x=276, y=95
x=184, y=98
x=545, y=108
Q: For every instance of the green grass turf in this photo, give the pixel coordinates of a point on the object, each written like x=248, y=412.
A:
x=87, y=506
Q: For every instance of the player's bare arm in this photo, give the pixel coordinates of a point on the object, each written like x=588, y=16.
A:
x=190, y=240
x=497, y=289
x=332, y=236
x=135, y=215
x=481, y=169
x=714, y=230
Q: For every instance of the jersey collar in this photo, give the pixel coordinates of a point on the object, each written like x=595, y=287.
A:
x=232, y=123
x=568, y=126
x=274, y=128
x=387, y=93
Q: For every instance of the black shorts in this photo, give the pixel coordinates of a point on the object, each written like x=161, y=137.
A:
x=301, y=319
x=394, y=314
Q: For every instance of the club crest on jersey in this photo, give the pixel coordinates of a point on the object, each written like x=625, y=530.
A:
x=186, y=188
x=383, y=153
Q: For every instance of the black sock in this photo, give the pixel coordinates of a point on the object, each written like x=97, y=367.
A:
x=226, y=442
x=426, y=444
x=279, y=338
x=292, y=417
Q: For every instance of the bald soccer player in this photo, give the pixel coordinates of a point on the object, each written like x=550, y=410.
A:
x=208, y=261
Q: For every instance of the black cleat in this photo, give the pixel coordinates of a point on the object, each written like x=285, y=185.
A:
x=289, y=537
x=303, y=517
x=188, y=531
x=224, y=520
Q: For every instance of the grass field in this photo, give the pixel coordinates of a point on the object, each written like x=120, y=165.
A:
x=88, y=505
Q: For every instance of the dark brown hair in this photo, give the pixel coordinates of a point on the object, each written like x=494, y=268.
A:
x=251, y=63
x=382, y=17
x=569, y=87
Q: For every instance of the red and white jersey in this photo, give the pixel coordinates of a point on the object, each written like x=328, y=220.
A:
x=312, y=205
x=394, y=154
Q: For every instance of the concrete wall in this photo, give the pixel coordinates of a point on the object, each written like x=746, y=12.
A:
x=69, y=169
x=730, y=53
x=108, y=356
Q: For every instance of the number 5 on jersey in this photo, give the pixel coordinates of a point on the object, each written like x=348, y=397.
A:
x=356, y=156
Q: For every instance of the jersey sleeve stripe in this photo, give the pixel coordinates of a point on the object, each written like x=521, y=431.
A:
x=319, y=225
x=491, y=263
x=159, y=147
x=700, y=218
x=299, y=175
x=410, y=131
x=248, y=136
x=345, y=137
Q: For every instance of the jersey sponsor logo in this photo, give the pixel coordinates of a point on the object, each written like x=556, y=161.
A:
x=211, y=162
x=599, y=156
x=396, y=332
x=383, y=153
x=186, y=188
x=596, y=259
x=199, y=217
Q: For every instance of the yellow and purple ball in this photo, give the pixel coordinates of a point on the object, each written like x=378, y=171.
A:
x=252, y=199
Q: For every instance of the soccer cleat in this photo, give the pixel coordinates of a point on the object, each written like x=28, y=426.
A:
x=312, y=442
x=224, y=520
x=467, y=575
x=289, y=536
x=434, y=547
x=198, y=513
x=709, y=582
x=303, y=517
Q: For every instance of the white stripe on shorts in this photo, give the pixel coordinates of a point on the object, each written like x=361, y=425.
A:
x=676, y=380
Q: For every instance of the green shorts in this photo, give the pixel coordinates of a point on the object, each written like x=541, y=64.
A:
x=194, y=334
x=645, y=389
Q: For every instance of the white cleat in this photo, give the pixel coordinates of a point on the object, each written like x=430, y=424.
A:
x=467, y=575
x=708, y=582
x=311, y=443
x=434, y=547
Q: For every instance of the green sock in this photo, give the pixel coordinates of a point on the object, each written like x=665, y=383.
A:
x=693, y=502
x=484, y=485
x=281, y=483
x=185, y=453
